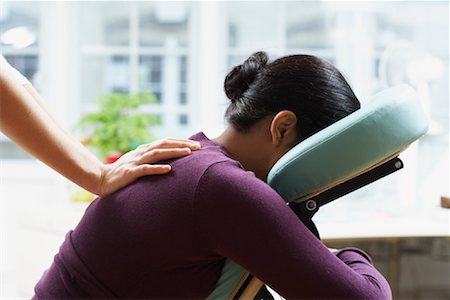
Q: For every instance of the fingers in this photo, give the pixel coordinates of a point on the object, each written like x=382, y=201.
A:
x=163, y=154
x=176, y=143
x=144, y=170
x=139, y=162
x=171, y=143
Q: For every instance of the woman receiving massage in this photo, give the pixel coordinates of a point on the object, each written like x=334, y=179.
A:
x=168, y=237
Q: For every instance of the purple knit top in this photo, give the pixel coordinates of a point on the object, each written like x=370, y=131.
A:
x=167, y=237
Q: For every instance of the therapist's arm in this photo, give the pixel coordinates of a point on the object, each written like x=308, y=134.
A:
x=26, y=121
x=243, y=219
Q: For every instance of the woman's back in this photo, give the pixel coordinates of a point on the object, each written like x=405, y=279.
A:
x=142, y=241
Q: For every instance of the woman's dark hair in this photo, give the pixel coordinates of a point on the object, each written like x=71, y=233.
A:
x=308, y=86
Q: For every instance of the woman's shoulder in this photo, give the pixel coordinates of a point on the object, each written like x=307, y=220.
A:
x=226, y=190
x=214, y=170
x=228, y=178
x=212, y=156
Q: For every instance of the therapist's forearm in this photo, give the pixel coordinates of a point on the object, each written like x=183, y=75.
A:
x=38, y=99
x=29, y=125
x=83, y=151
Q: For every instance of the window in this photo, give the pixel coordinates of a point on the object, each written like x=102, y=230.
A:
x=102, y=74
x=278, y=28
x=151, y=71
x=183, y=119
x=26, y=64
x=183, y=80
x=133, y=47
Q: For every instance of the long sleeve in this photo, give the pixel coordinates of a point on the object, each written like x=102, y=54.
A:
x=242, y=218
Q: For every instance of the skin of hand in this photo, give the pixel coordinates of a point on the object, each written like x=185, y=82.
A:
x=25, y=120
x=138, y=162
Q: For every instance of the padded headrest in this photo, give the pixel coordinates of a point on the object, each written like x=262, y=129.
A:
x=381, y=129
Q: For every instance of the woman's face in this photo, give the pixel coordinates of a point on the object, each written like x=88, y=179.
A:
x=260, y=147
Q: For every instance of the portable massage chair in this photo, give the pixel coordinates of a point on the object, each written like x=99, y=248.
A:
x=351, y=153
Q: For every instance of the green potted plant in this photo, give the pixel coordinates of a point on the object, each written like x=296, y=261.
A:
x=119, y=125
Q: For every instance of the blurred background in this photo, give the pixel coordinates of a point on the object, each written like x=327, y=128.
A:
x=178, y=53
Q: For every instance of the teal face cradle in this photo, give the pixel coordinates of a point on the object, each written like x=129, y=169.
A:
x=380, y=130
x=351, y=153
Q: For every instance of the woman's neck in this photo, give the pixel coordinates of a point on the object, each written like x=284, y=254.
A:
x=249, y=148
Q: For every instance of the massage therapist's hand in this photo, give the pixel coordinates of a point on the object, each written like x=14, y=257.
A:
x=139, y=162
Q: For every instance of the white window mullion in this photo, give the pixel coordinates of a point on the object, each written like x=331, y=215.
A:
x=170, y=84
x=192, y=67
x=134, y=47
x=105, y=50
x=210, y=66
x=10, y=50
x=53, y=60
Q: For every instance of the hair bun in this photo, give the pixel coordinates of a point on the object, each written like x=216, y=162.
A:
x=242, y=76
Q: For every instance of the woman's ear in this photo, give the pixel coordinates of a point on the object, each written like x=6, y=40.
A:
x=284, y=129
